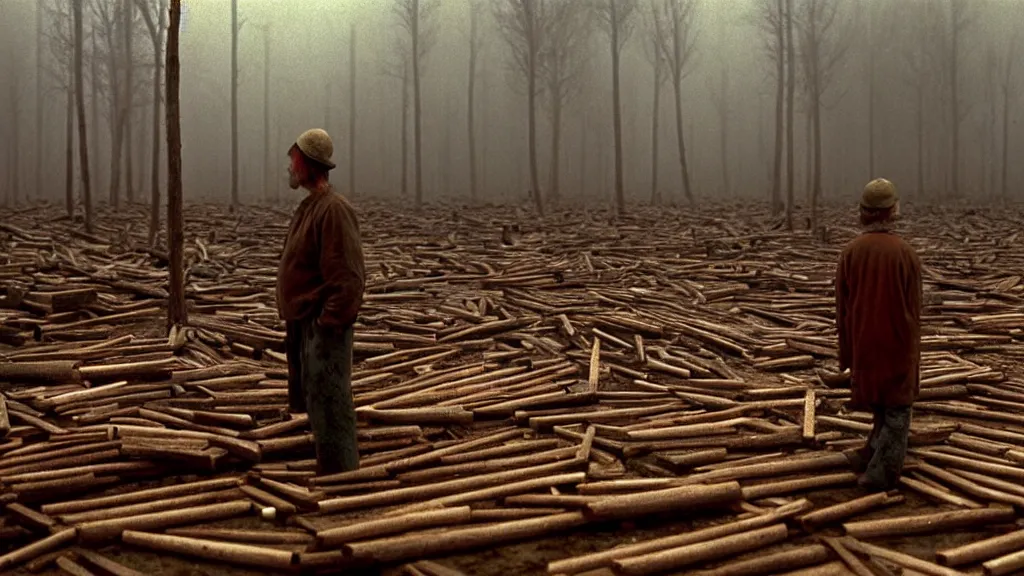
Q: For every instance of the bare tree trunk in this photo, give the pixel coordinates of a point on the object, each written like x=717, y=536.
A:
x=954, y=101
x=723, y=122
x=69, y=150
x=677, y=79
x=871, y=90
x=556, y=149
x=474, y=17
x=920, y=140
x=417, y=120
x=405, y=129
x=352, y=110
x=790, y=101
x=809, y=153
x=94, y=112
x=83, y=147
x=583, y=155
x=177, y=313
x=533, y=47
x=816, y=124
x=39, y=99
x=267, y=177
x=15, y=101
x=116, y=122
x=1004, y=194
x=154, y=193
x=234, y=105
x=655, y=117
x=620, y=197
x=780, y=95
x=129, y=18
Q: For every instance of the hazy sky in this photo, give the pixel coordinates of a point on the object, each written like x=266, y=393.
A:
x=309, y=77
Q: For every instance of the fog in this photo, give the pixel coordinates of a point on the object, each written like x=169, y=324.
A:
x=901, y=48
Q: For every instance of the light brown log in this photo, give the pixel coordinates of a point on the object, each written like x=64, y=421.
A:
x=103, y=530
x=271, y=537
x=138, y=496
x=843, y=510
x=106, y=564
x=768, y=489
x=5, y=421
x=69, y=566
x=982, y=550
x=52, y=372
x=605, y=557
x=664, y=501
x=37, y=548
x=937, y=494
x=1004, y=564
x=496, y=492
x=772, y=563
x=179, y=502
x=424, y=492
x=899, y=558
x=928, y=523
x=361, y=530
x=676, y=558
x=410, y=546
x=229, y=553
x=809, y=400
x=852, y=562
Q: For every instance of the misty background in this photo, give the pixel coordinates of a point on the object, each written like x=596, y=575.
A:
x=885, y=100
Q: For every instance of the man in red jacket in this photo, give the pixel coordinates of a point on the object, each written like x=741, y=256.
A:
x=320, y=286
x=878, y=317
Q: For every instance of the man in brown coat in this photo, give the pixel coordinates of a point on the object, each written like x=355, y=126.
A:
x=878, y=317
x=320, y=286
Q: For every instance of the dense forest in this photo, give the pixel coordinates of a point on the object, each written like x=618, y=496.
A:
x=485, y=100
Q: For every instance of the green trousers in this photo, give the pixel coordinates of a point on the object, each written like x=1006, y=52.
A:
x=320, y=384
x=881, y=458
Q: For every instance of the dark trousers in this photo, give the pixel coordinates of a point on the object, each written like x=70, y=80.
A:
x=882, y=456
x=320, y=384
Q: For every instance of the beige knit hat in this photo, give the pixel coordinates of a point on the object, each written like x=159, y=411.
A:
x=879, y=194
x=317, y=146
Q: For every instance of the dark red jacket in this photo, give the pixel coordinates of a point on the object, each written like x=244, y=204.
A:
x=878, y=317
x=322, y=271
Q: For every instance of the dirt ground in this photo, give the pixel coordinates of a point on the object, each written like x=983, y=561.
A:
x=529, y=558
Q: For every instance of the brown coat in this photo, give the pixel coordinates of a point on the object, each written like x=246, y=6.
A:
x=878, y=316
x=322, y=272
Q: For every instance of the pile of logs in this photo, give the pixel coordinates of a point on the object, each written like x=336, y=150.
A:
x=587, y=373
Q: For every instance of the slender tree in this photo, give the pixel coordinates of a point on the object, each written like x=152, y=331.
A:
x=790, y=50
x=721, y=103
x=618, y=17
x=236, y=29
x=129, y=64
x=475, y=43
x=960, y=20
x=155, y=24
x=177, y=313
x=83, y=147
x=678, y=48
x=61, y=36
x=267, y=163
x=562, y=64
x=521, y=24
x=655, y=26
x=39, y=96
x=1009, y=85
x=352, y=109
x=772, y=25
x=414, y=18
x=824, y=49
